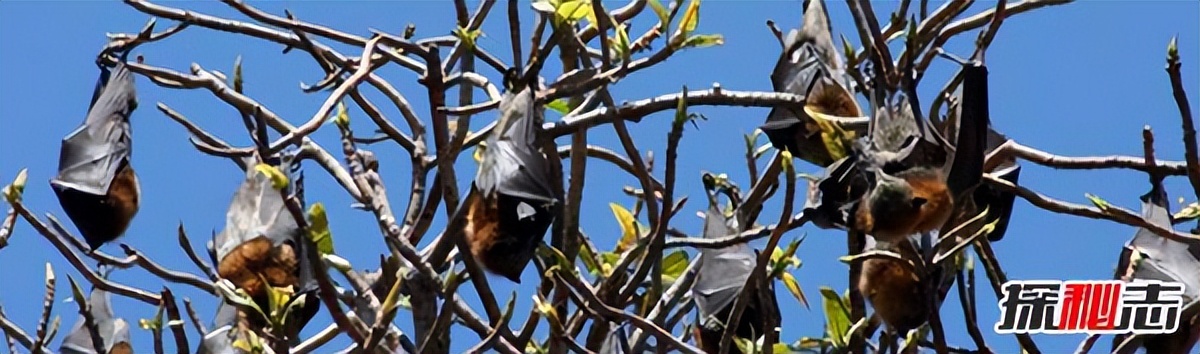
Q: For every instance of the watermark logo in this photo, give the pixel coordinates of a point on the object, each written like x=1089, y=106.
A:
x=1093, y=307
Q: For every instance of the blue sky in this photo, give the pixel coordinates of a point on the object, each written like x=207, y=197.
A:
x=1080, y=79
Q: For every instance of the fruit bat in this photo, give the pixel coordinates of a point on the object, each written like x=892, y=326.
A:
x=96, y=184
x=1166, y=260
x=511, y=202
x=915, y=176
x=720, y=280
x=896, y=293
x=810, y=66
x=113, y=331
x=262, y=244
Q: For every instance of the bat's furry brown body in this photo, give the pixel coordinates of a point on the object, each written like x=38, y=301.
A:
x=103, y=218
x=255, y=261
x=895, y=292
x=500, y=239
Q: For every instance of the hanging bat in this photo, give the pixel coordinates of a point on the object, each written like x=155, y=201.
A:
x=720, y=279
x=96, y=184
x=262, y=244
x=915, y=176
x=219, y=340
x=896, y=293
x=810, y=66
x=1165, y=260
x=113, y=331
x=511, y=202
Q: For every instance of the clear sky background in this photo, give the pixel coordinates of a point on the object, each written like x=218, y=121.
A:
x=1080, y=79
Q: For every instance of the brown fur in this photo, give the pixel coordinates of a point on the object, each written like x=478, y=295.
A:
x=121, y=348
x=254, y=261
x=123, y=197
x=926, y=184
x=895, y=292
x=833, y=99
x=483, y=229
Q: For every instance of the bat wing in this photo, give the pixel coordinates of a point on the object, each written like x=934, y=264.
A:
x=723, y=271
x=220, y=339
x=999, y=203
x=513, y=163
x=112, y=330
x=966, y=168
x=257, y=210
x=836, y=192
x=92, y=154
x=1163, y=259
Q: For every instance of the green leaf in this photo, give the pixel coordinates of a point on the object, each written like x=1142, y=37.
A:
x=629, y=234
x=745, y=345
x=793, y=286
x=559, y=105
x=573, y=10
x=704, y=40
x=621, y=42
x=1190, y=212
x=559, y=259
x=835, y=138
x=681, y=112
x=278, y=179
x=663, y=16
x=479, y=150
x=589, y=259
x=14, y=190
x=837, y=317
x=848, y=51
x=467, y=36
x=607, y=261
x=691, y=18
x=1173, y=49
x=674, y=265
x=318, y=228
x=342, y=117
x=1099, y=203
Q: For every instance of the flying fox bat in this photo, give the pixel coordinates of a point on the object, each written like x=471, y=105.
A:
x=896, y=293
x=915, y=175
x=114, y=331
x=225, y=331
x=809, y=66
x=262, y=244
x=720, y=279
x=96, y=184
x=511, y=205
x=1165, y=260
